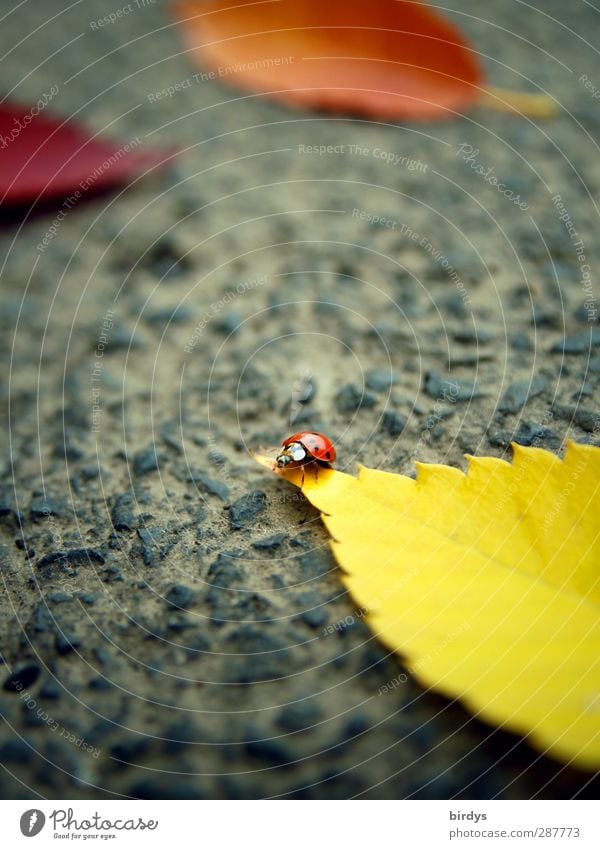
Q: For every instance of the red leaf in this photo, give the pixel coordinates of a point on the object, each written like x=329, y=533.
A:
x=387, y=59
x=42, y=157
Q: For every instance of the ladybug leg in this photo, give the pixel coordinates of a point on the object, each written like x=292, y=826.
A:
x=302, y=481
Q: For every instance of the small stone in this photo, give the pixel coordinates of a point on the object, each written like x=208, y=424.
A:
x=270, y=752
x=228, y=322
x=102, y=655
x=518, y=393
x=255, y=387
x=438, y=414
x=179, y=622
x=166, y=260
x=145, y=461
x=521, y=342
x=49, y=690
x=31, y=718
x=528, y=434
x=170, y=434
x=215, y=457
x=315, y=617
x=22, y=677
x=67, y=450
x=380, y=379
x=452, y=390
x=316, y=563
x=88, y=598
x=66, y=642
x=356, y=725
x=197, y=645
x=49, y=506
x=247, y=508
x=586, y=390
x=131, y=749
x=548, y=317
x=350, y=399
x=180, y=596
x=302, y=540
x=112, y=574
x=177, y=314
x=226, y=569
x=164, y=788
x=577, y=344
x=586, y=419
x=263, y=654
x=59, y=597
x=453, y=304
x=122, y=515
x=177, y=737
x=253, y=606
x=325, y=311
x=472, y=335
x=305, y=416
x=345, y=268
x=16, y=752
x=152, y=549
x=587, y=313
x=125, y=339
x=209, y=485
x=298, y=716
x=41, y=619
x=304, y=389
x=472, y=359
x=567, y=273
x=73, y=557
x=100, y=683
x=269, y=543
x=8, y=506
x=393, y=423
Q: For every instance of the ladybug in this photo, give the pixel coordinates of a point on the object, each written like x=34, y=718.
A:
x=304, y=448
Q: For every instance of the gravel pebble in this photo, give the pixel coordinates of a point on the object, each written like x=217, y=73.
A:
x=247, y=508
x=450, y=389
x=519, y=393
x=579, y=343
x=122, y=514
x=270, y=543
x=145, y=461
x=24, y=676
x=529, y=434
x=393, y=423
x=180, y=596
x=209, y=485
x=380, y=379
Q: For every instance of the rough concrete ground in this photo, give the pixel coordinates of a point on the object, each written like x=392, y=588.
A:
x=172, y=622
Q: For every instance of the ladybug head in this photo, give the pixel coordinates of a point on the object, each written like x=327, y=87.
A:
x=294, y=452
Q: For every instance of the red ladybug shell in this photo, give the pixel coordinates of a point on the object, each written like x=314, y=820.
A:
x=317, y=445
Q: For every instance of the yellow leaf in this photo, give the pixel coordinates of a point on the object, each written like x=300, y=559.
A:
x=486, y=583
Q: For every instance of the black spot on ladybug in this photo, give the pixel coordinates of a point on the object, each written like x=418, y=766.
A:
x=328, y=454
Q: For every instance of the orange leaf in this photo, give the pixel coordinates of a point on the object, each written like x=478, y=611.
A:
x=389, y=59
